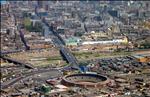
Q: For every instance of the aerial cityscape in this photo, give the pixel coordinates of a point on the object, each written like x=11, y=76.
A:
x=77, y=48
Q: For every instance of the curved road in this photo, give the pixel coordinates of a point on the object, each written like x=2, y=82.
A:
x=12, y=82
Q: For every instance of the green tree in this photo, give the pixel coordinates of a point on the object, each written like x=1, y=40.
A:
x=45, y=89
x=29, y=26
x=78, y=34
x=27, y=23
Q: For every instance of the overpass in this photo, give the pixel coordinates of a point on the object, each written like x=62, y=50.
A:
x=69, y=57
x=59, y=42
x=27, y=65
x=17, y=51
x=12, y=82
x=66, y=54
x=10, y=52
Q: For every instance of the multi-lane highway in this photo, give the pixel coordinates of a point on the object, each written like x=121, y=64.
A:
x=55, y=72
x=69, y=57
x=27, y=65
x=2, y=53
x=9, y=52
x=59, y=42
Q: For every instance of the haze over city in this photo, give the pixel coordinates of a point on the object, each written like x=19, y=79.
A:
x=83, y=48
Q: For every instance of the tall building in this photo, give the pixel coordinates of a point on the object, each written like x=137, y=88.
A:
x=113, y=13
x=5, y=6
x=40, y=3
x=46, y=7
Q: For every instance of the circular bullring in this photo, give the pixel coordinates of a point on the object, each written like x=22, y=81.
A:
x=85, y=80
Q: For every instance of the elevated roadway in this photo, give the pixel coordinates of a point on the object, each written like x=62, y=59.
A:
x=27, y=75
x=9, y=52
x=59, y=42
x=27, y=65
x=69, y=57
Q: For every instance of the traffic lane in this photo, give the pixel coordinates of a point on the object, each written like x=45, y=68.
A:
x=53, y=72
x=46, y=75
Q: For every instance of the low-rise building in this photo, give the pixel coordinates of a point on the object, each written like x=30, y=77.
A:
x=113, y=41
x=143, y=58
x=74, y=41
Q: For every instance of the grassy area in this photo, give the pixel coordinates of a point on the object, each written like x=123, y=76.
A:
x=66, y=64
x=82, y=53
x=54, y=58
x=32, y=28
x=92, y=55
x=49, y=61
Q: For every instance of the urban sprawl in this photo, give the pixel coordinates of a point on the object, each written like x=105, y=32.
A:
x=75, y=48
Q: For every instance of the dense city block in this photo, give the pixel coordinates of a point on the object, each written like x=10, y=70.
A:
x=77, y=48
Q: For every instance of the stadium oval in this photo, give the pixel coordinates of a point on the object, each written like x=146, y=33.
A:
x=85, y=80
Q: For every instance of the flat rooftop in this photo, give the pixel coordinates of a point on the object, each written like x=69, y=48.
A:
x=142, y=55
